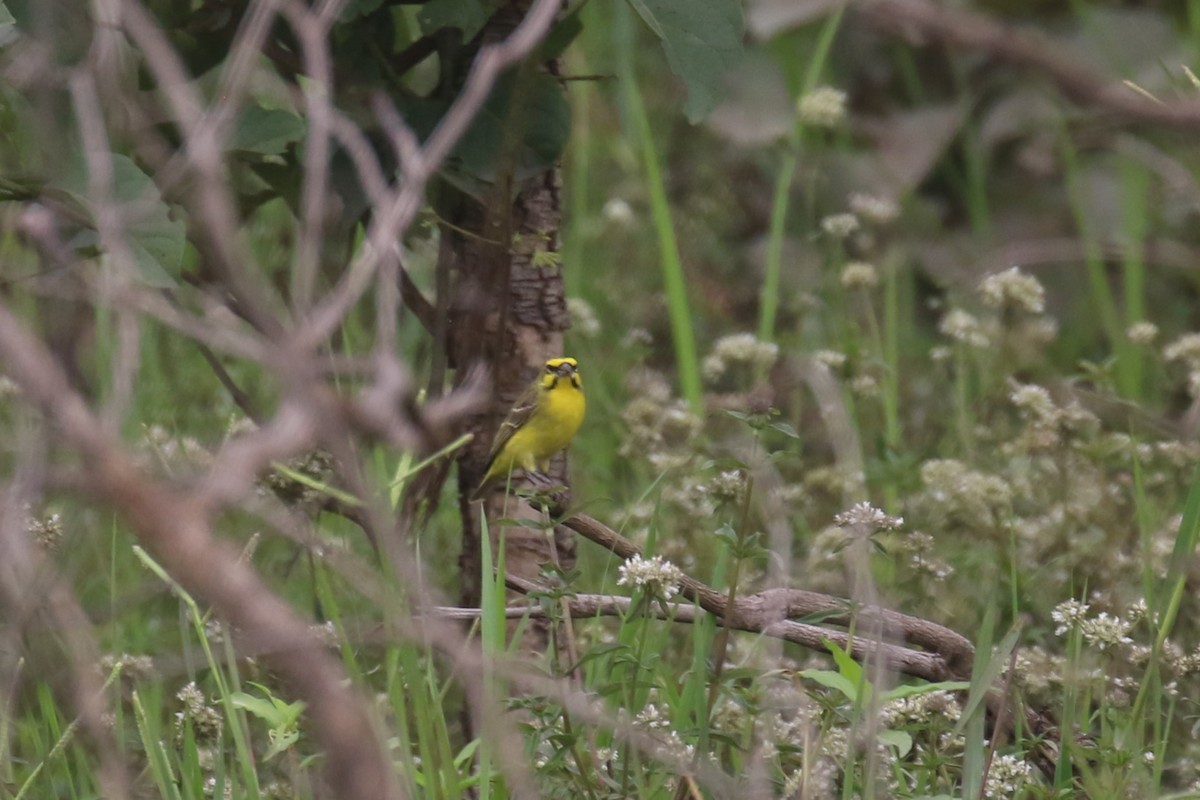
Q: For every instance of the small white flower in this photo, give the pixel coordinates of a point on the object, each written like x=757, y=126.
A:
x=823, y=107
x=1142, y=332
x=1069, y=614
x=1007, y=776
x=839, y=226
x=618, y=211
x=1106, y=631
x=874, y=208
x=1013, y=289
x=859, y=275
x=865, y=386
x=739, y=349
x=656, y=572
x=1035, y=401
x=866, y=516
x=830, y=358
x=1186, y=349
x=963, y=327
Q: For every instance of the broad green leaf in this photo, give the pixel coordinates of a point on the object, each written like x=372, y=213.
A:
x=832, y=680
x=561, y=35
x=258, y=706
x=469, y=16
x=545, y=120
x=785, y=429
x=265, y=131
x=703, y=40
x=155, y=241
x=846, y=665
x=901, y=740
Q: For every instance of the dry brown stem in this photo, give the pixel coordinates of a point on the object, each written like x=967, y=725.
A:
x=944, y=654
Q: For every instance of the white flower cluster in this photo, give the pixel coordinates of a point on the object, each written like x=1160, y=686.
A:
x=206, y=720
x=739, y=348
x=874, y=208
x=1034, y=400
x=830, y=358
x=1187, y=349
x=866, y=516
x=1007, y=777
x=1013, y=289
x=962, y=326
x=654, y=572
x=823, y=107
x=859, y=275
x=1069, y=614
x=840, y=226
x=1106, y=631
x=1142, y=332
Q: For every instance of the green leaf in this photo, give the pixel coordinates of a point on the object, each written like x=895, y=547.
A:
x=901, y=740
x=6, y=17
x=703, y=40
x=846, y=665
x=832, y=680
x=265, y=131
x=469, y=16
x=545, y=122
x=817, y=617
x=561, y=35
x=785, y=429
x=258, y=706
x=155, y=241
x=280, y=741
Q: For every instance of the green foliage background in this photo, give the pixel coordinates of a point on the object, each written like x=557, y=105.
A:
x=1037, y=436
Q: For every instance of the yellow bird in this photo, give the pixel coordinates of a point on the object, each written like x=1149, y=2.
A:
x=542, y=421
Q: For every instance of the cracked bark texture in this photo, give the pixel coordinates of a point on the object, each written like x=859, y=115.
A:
x=508, y=310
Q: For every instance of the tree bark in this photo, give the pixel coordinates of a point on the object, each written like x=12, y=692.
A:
x=509, y=312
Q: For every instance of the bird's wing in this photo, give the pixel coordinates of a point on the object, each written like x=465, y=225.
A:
x=521, y=411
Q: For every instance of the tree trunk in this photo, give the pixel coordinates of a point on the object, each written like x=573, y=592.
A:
x=509, y=312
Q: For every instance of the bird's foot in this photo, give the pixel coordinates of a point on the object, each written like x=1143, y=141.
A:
x=546, y=492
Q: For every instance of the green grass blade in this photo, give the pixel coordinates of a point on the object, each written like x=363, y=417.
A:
x=674, y=283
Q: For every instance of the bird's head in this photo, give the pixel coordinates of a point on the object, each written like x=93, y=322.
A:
x=558, y=368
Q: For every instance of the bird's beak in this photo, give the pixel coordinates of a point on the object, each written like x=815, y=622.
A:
x=565, y=370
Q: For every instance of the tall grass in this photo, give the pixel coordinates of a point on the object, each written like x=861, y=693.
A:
x=674, y=282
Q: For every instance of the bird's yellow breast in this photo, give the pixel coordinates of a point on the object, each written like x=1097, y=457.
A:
x=561, y=409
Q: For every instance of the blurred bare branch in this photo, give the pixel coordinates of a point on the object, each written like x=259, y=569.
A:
x=921, y=20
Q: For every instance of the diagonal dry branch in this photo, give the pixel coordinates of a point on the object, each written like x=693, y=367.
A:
x=924, y=20
x=943, y=654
